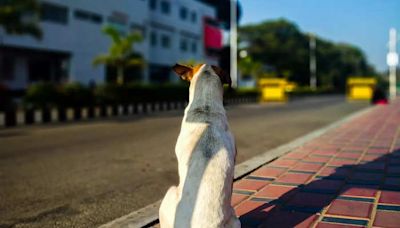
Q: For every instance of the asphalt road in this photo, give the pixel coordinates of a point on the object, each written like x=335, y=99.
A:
x=86, y=174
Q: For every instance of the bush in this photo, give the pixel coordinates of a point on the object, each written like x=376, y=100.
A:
x=76, y=95
x=42, y=95
x=6, y=102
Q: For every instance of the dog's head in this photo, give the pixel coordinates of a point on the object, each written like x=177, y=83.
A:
x=187, y=73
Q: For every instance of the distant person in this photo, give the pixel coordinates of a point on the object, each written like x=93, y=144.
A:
x=379, y=96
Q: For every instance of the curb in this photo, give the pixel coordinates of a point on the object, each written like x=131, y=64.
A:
x=148, y=216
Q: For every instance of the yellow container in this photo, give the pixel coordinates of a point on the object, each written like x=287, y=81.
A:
x=360, y=88
x=273, y=89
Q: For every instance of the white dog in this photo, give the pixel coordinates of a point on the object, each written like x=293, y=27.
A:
x=206, y=152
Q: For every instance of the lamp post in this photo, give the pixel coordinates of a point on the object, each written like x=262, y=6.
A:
x=392, y=59
x=313, y=62
x=233, y=43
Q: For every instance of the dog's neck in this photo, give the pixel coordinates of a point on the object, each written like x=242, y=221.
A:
x=206, y=93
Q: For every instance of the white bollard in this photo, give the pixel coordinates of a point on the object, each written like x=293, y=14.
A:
x=120, y=110
x=84, y=113
x=148, y=108
x=69, y=114
x=38, y=117
x=139, y=108
x=109, y=111
x=130, y=109
x=54, y=115
x=2, y=119
x=20, y=117
x=96, y=112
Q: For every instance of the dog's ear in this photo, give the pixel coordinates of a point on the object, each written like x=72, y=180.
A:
x=225, y=78
x=185, y=72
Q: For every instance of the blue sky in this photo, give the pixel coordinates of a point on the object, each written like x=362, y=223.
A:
x=364, y=23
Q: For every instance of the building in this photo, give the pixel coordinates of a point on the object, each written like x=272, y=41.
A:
x=173, y=30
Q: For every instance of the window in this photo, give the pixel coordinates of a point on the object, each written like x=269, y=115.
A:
x=194, y=17
x=88, y=16
x=153, y=39
x=183, y=13
x=153, y=4
x=184, y=45
x=165, y=41
x=194, y=47
x=54, y=13
x=165, y=7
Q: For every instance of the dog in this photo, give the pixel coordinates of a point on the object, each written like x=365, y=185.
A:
x=206, y=153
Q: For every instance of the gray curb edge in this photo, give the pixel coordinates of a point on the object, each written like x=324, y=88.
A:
x=148, y=215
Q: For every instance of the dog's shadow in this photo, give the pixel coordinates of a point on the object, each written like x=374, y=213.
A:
x=298, y=206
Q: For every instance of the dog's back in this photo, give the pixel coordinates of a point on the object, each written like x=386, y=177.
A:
x=206, y=152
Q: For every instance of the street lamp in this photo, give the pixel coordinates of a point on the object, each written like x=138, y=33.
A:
x=313, y=62
x=392, y=60
x=233, y=43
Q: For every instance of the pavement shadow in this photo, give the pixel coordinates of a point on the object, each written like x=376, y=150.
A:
x=298, y=206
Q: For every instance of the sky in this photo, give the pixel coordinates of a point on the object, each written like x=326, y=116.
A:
x=363, y=23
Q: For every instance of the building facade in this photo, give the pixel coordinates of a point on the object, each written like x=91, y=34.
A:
x=173, y=31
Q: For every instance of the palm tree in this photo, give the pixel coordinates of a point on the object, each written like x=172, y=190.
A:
x=20, y=17
x=121, y=53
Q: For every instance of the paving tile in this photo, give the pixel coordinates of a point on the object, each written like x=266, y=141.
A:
x=276, y=191
x=371, y=157
x=303, y=166
x=306, y=199
x=317, y=159
x=294, y=178
x=393, y=170
x=387, y=219
x=393, y=183
x=256, y=216
x=359, y=190
x=237, y=198
x=350, y=208
x=248, y=206
x=349, y=155
x=324, y=186
x=283, y=163
x=296, y=155
x=370, y=177
x=289, y=219
x=266, y=171
x=334, y=225
x=342, y=162
x=375, y=166
x=390, y=197
x=325, y=152
x=249, y=185
x=334, y=172
x=345, y=221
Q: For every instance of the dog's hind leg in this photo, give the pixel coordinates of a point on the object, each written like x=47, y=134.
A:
x=233, y=222
x=168, y=208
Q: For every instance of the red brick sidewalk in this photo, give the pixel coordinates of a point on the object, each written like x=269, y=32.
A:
x=348, y=177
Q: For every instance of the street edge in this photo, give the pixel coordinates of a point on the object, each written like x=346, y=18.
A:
x=148, y=216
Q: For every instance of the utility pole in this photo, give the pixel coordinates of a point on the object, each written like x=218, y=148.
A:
x=392, y=60
x=313, y=62
x=233, y=43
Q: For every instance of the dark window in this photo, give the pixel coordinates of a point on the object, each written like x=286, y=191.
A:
x=153, y=39
x=7, y=66
x=165, y=7
x=183, y=13
x=54, y=13
x=194, y=47
x=153, y=4
x=184, y=45
x=88, y=16
x=194, y=17
x=165, y=41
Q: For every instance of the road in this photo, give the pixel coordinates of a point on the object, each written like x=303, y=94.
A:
x=86, y=174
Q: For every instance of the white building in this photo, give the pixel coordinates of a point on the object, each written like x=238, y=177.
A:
x=72, y=37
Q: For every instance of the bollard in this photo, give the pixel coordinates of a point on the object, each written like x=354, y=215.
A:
x=70, y=114
x=120, y=110
x=2, y=119
x=148, y=108
x=38, y=117
x=54, y=115
x=130, y=109
x=109, y=111
x=97, y=112
x=84, y=113
x=157, y=107
x=20, y=118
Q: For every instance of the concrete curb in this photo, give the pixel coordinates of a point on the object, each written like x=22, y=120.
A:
x=148, y=216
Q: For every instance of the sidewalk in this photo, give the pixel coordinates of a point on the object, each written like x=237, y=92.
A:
x=348, y=177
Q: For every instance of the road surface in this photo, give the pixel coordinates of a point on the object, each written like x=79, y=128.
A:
x=86, y=174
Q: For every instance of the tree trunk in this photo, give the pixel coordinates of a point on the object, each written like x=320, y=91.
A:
x=120, y=75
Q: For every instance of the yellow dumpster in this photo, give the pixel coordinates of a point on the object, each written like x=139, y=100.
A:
x=273, y=89
x=360, y=88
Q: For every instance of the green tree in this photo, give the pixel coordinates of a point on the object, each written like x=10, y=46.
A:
x=121, y=52
x=250, y=68
x=20, y=17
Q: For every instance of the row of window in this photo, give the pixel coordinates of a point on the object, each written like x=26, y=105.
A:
x=165, y=8
x=59, y=14
x=164, y=40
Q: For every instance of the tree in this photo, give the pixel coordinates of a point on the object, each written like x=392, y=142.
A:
x=250, y=68
x=20, y=17
x=121, y=53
